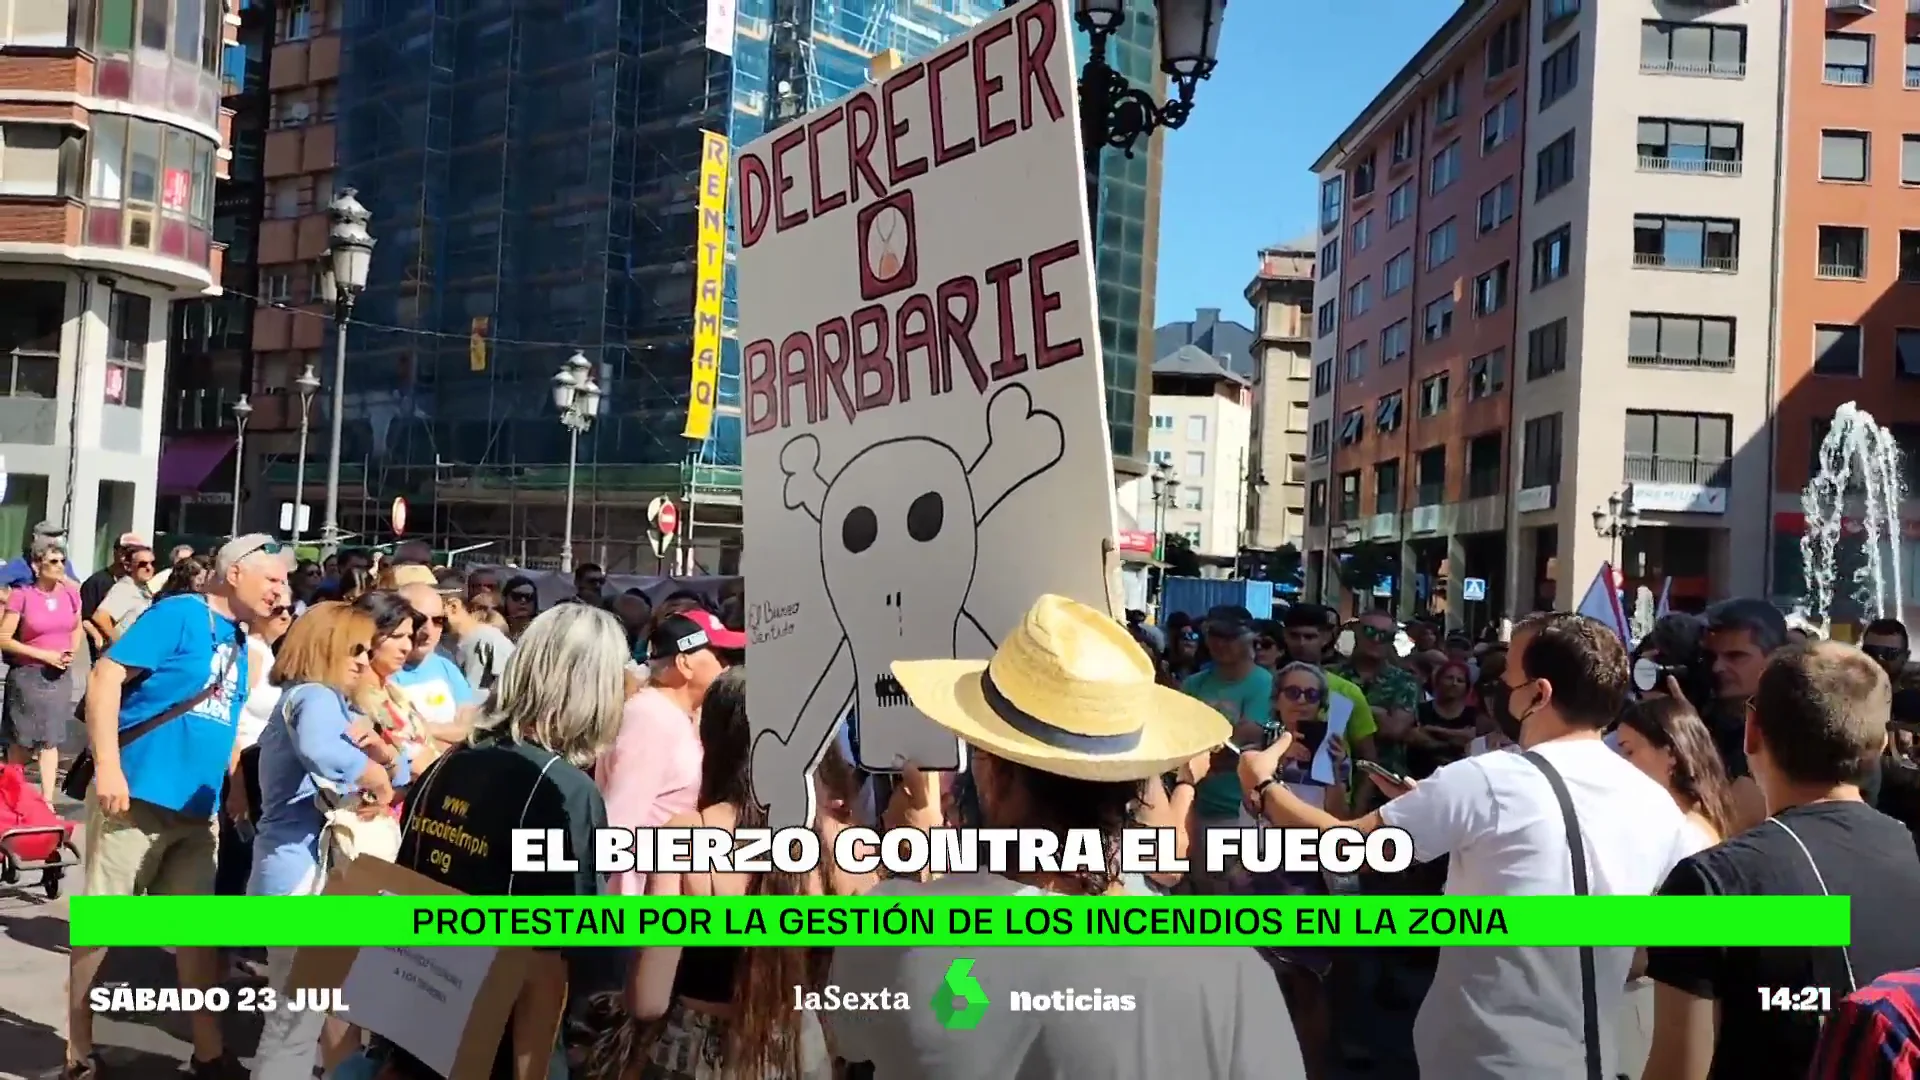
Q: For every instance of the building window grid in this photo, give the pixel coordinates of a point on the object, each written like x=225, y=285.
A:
x=1668, y=340
x=1837, y=350
x=1501, y=123
x=1359, y=297
x=1847, y=60
x=129, y=325
x=1394, y=342
x=1842, y=252
x=1430, y=477
x=1906, y=352
x=1553, y=256
x=1709, y=245
x=1357, y=362
x=1349, y=509
x=1387, y=413
x=1715, y=51
x=1320, y=440
x=1691, y=146
x=1490, y=290
x=1386, y=487
x=1496, y=206
x=1433, y=395
x=1547, y=349
x=1540, y=452
x=1323, y=378
x=1445, y=168
x=1363, y=232
x=1505, y=47
x=1484, y=466
x=1678, y=448
x=1400, y=204
x=1438, y=320
x=1398, y=274
x=1486, y=374
x=1560, y=73
x=1446, y=100
x=1443, y=242
x=1910, y=255
x=1553, y=166
x=1910, y=160
x=1846, y=156
x=1912, y=64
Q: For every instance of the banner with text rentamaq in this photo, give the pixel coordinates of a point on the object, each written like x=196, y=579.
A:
x=926, y=434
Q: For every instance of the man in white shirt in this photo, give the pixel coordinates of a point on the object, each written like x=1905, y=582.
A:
x=1520, y=1013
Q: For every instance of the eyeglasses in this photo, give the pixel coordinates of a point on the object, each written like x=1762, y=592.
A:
x=143, y=564
x=1307, y=694
x=1265, y=643
x=1375, y=634
x=522, y=597
x=281, y=612
x=359, y=651
x=439, y=621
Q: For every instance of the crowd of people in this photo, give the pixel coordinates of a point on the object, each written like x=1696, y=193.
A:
x=252, y=720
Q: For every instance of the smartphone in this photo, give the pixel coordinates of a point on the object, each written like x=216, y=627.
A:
x=1384, y=773
x=1313, y=733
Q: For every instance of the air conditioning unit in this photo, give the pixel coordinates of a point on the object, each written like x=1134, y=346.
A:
x=1852, y=7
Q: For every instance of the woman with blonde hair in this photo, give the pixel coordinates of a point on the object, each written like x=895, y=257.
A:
x=40, y=634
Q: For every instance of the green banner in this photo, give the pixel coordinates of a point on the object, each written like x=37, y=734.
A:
x=960, y=922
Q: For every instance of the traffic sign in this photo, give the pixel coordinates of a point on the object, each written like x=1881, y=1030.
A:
x=399, y=514
x=667, y=520
x=1473, y=588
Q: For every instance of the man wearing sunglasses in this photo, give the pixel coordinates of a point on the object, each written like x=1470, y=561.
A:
x=1886, y=641
x=129, y=597
x=1393, y=693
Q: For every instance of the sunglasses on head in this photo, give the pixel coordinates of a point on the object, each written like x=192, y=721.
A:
x=1311, y=695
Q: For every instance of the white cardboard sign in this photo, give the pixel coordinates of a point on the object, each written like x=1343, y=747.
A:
x=926, y=436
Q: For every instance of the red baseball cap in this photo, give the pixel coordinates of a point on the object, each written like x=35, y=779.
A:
x=689, y=631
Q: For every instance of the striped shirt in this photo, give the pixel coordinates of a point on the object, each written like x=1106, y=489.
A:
x=1874, y=1034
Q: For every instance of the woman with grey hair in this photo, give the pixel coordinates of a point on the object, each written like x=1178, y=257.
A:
x=555, y=709
x=40, y=634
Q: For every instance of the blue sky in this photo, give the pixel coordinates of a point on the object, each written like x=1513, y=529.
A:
x=1292, y=75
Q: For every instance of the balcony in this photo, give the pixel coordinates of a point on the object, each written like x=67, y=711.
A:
x=1483, y=482
x=1430, y=494
x=1696, y=471
x=1707, y=69
x=1691, y=165
x=1843, y=271
x=1709, y=264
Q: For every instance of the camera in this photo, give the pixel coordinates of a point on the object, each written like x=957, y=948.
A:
x=1672, y=651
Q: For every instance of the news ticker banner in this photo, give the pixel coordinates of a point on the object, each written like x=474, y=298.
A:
x=961, y=922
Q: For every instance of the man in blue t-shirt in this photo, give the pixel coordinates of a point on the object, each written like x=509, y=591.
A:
x=150, y=811
x=433, y=684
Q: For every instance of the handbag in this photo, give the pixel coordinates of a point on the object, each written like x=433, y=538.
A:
x=345, y=835
x=80, y=774
x=1577, y=849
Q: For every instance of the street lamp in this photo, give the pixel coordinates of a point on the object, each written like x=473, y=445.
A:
x=343, y=276
x=1163, y=491
x=1114, y=112
x=1616, y=522
x=241, y=412
x=578, y=398
x=308, y=384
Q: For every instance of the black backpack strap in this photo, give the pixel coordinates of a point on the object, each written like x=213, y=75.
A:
x=1577, y=849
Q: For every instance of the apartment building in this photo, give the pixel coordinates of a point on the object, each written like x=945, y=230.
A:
x=1607, y=331
x=1199, y=441
x=1281, y=294
x=112, y=138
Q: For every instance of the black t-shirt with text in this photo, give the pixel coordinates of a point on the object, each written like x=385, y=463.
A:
x=1860, y=853
x=460, y=817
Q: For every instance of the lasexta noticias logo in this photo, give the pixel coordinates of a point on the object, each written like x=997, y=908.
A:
x=961, y=1001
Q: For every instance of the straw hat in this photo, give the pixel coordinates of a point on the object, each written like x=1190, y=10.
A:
x=1069, y=693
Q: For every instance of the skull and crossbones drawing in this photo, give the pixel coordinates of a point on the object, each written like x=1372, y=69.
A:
x=898, y=549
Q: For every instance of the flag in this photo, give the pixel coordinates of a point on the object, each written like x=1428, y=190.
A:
x=1602, y=602
x=1666, y=592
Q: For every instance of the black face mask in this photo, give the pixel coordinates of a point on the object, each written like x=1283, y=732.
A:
x=1498, y=699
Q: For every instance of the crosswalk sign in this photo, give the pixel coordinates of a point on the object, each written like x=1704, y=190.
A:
x=1473, y=588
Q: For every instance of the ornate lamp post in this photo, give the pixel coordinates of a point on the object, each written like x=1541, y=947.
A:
x=308, y=384
x=578, y=398
x=1617, y=521
x=242, y=412
x=343, y=277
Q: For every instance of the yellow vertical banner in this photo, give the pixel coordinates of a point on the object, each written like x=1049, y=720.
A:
x=709, y=282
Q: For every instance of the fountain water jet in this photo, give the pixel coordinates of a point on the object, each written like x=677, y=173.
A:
x=1857, y=455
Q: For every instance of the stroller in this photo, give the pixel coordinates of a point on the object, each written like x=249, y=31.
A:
x=32, y=836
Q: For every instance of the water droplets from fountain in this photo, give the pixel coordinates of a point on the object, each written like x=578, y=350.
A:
x=1857, y=456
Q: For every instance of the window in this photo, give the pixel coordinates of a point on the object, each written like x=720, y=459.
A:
x=1906, y=353
x=1353, y=426
x=1848, y=59
x=1552, y=255
x=1196, y=429
x=1387, y=413
x=143, y=172
x=1553, y=13
x=1443, y=241
x=1317, y=503
x=1439, y=319
x=1502, y=122
x=1332, y=196
x=1296, y=469
x=1676, y=243
x=39, y=159
x=1553, y=167
x=1323, y=378
x=1320, y=440
x=1559, y=73
x=1406, y=140
x=1913, y=64
x=1909, y=255
x=1433, y=395
x=1349, y=496
x=1445, y=168
x=1677, y=448
x=1843, y=155
x=1486, y=374
x=1540, y=452
x=275, y=286
x=1682, y=341
x=1327, y=319
x=1446, y=100
x=1161, y=457
x=129, y=323
x=1504, y=47
x=31, y=316
x=283, y=199
x=35, y=23
x=1386, y=487
x=1394, y=341
x=1836, y=350
x=1910, y=159
x=1843, y=252
x=1359, y=297
x=1192, y=498
x=1330, y=258
x=1430, y=476
x=1399, y=272
x=1357, y=362
x=1699, y=49
x=1490, y=290
x=1547, y=349
x=1363, y=232
x=1196, y=464
x=1484, y=466
x=1690, y=146
x=1362, y=179
x=1496, y=206
x=1400, y=204
x=296, y=20
x=1192, y=535
x=1162, y=422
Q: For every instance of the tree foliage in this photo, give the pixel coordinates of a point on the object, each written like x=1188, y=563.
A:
x=1181, y=559
x=1363, y=565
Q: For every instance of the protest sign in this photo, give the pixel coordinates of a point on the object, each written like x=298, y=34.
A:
x=448, y=1007
x=926, y=441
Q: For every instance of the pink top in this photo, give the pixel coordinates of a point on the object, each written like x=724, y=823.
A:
x=47, y=619
x=652, y=772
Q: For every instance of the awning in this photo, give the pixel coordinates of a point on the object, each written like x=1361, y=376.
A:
x=186, y=463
